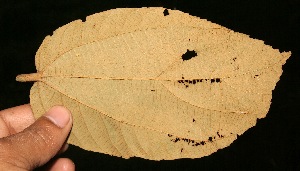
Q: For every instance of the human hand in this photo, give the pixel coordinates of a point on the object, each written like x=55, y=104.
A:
x=26, y=143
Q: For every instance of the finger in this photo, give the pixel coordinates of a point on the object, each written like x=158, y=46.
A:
x=38, y=143
x=15, y=119
x=61, y=164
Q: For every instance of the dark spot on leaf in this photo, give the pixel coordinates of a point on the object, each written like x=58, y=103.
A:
x=186, y=86
x=177, y=139
x=194, y=120
x=218, y=80
x=152, y=90
x=234, y=59
x=210, y=139
x=181, y=150
x=188, y=55
x=202, y=142
x=166, y=12
x=169, y=135
x=212, y=80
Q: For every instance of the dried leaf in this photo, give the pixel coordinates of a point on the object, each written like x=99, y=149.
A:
x=154, y=84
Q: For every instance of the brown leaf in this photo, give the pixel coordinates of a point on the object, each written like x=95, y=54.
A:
x=154, y=84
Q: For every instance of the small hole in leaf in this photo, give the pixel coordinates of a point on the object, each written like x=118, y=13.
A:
x=83, y=19
x=188, y=55
x=166, y=12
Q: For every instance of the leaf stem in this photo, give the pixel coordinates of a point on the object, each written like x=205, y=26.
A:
x=29, y=77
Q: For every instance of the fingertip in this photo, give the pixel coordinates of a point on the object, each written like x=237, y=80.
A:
x=62, y=164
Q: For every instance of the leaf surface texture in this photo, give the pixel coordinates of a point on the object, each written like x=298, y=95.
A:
x=141, y=83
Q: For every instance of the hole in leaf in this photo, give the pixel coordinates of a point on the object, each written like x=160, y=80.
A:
x=166, y=12
x=83, y=19
x=188, y=55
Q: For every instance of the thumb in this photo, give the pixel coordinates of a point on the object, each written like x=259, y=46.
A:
x=38, y=143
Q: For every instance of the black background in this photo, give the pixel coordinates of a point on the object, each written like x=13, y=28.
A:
x=273, y=144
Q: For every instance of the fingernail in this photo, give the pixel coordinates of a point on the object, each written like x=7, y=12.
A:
x=59, y=115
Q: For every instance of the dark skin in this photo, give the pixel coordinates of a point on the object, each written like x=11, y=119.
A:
x=26, y=143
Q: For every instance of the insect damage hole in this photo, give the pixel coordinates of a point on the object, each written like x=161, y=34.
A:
x=166, y=12
x=188, y=55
